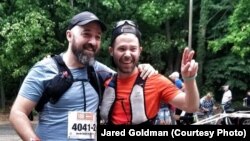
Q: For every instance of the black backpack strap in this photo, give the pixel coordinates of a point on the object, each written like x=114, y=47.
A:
x=62, y=82
x=98, y=83
x=95, y=80
x=140, y=81
x=57, y=86
x=60, y=63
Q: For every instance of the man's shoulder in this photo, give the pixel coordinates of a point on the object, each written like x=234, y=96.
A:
x=158, y=78
x=155, y=76
x=99, y=67
x=45, y=61
x=45, y=65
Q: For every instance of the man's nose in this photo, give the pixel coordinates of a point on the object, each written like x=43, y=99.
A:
x=93, y=41
x=127, y=53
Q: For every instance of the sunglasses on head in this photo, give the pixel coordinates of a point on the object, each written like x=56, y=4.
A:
x=125, y=22
x=125, y=26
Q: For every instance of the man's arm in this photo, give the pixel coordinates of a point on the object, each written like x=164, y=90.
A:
x=188, y=101
x=192, y=96
x=146, y=69
x=19, y=118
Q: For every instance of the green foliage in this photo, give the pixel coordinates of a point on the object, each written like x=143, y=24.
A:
x=112, y=4
x=230, y=70
x=27, y=38
x=153, y=49
x=157, y=12
x=238, y=31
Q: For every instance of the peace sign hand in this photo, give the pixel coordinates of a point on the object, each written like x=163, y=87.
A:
x=189, y=67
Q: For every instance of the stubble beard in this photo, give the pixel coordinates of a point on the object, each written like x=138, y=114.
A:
x=126, y=70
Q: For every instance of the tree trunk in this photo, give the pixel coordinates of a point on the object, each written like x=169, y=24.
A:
x=170, y=60
x=201, y=46
x=2, y=95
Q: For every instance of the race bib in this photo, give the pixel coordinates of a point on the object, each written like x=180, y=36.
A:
x=81, y=125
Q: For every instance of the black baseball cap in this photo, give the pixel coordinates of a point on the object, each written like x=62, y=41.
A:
x=84, y=18
x=125, y=26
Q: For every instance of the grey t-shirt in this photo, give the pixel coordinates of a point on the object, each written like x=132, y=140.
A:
x=53, y=119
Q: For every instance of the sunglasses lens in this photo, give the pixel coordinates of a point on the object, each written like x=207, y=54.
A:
x=120, y=23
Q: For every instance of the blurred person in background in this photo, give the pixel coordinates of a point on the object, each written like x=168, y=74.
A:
x=207, y=104
x=226, y=101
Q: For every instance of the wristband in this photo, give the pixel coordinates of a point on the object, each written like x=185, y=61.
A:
x=189, y=78
x=32, y=139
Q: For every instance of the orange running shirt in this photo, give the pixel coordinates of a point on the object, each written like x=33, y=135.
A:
x=157, y=88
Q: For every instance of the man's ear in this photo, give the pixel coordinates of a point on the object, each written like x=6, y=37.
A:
x=69, y=35
x=111, y=51
x=141, y=48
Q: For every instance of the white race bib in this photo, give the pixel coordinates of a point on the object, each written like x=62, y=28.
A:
x=81, y=125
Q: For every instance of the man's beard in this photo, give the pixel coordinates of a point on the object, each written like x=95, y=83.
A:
x=128, y=71
x=82, y=56
x=125, y=70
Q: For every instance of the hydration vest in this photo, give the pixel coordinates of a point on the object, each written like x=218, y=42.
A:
x=57, y=86
x=136, y=100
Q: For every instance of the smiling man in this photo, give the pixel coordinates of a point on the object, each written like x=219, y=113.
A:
x=129, y=100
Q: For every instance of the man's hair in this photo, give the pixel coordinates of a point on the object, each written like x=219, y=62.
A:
x=209, y=94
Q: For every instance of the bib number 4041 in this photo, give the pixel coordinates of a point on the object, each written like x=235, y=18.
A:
x=84, y=127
